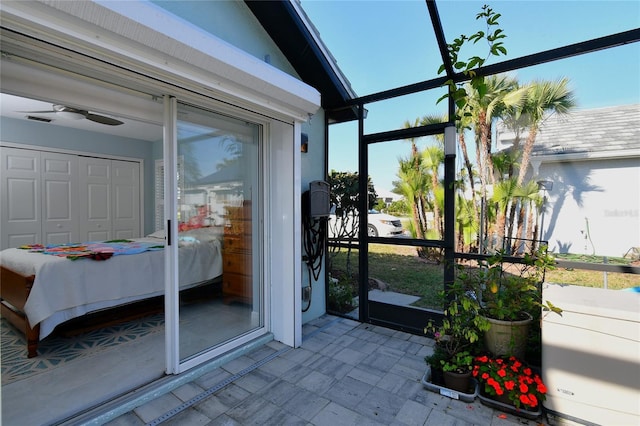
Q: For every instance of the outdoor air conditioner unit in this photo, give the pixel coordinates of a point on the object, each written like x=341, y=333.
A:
x=591, y=355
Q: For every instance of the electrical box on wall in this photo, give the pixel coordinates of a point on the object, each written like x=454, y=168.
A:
x=319, y=198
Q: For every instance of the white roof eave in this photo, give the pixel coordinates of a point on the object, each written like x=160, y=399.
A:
x=143, y=37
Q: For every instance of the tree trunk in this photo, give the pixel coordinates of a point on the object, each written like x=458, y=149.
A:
x=526, y=153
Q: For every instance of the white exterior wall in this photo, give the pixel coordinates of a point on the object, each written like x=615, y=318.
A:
x=605, y=192
x=141, y=37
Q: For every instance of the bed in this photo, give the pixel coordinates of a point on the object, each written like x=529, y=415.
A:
x=40, y=291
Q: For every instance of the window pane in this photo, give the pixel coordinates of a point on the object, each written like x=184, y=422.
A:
x=218, y=177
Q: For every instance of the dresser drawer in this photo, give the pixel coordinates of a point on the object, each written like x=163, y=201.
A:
x=237, y=287
x=236, y=262
x=237, y=243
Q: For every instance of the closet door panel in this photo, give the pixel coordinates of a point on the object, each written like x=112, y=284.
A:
x=60, y=198
x=95, y=199
x=20, y=206
x=125, y=186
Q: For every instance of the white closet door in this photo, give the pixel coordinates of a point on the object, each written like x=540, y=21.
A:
x=125, y=187
x=20, y=206
x=60, y=198
x=95, y=199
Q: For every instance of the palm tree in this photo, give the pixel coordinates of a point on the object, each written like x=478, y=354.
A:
x=432, y=158
x=543, y=99
x=503, y=195
x=528, y=196
x=487, y=102
x=414, y=184
x=414, y=148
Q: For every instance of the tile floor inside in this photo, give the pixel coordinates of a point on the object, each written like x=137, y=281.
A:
x=345, y=373
x=107, y=371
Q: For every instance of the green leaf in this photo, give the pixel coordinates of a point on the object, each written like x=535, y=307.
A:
x=445, y=96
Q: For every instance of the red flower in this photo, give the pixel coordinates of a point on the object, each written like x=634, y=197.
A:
x=509, y=377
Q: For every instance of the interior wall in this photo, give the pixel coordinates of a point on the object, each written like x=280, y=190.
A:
x=57, y=137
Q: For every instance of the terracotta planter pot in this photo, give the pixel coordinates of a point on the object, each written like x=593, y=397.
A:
x=460, y=382
x=507, y=337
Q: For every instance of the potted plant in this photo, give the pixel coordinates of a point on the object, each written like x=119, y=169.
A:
x=436, y=373
x=510, y=385
x=460, y=331
x=511, y=297
x=457, y=371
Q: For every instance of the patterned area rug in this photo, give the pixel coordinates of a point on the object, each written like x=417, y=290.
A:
x=56, y=351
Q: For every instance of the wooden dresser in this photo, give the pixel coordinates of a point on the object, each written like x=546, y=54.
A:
x=237, y=277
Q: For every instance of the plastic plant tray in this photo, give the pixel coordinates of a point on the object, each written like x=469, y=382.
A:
x=466, y=397
x=508, y=408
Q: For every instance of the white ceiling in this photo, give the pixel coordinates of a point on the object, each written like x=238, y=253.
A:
x=15, y=107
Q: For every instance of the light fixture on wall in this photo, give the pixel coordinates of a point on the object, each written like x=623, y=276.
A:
x=450, y=140
x=546, y=185
x=304, y=145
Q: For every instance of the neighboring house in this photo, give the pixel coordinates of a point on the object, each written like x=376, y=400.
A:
x=174, y=71
x=592, y=159
x=387, y=196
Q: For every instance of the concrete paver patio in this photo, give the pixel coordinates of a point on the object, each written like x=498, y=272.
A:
x=345, y=373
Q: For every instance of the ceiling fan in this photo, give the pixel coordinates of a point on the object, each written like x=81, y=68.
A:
x=70, y=113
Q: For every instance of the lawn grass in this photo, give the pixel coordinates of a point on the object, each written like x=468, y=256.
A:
x=615, y=281
x=403, y=271
x=400, y=269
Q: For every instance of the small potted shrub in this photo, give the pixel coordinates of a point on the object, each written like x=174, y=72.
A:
x=457, y=371
x=435, y=363
x=460, y=331
x=510, y=300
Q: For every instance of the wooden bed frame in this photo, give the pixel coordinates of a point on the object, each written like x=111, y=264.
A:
x=15, y=289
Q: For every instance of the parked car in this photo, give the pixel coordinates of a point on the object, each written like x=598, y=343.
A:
x=379, y=225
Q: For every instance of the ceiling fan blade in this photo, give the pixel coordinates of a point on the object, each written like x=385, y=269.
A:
x=103, y=120
x=38, y=112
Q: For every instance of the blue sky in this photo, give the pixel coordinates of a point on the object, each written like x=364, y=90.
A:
x=381, y=45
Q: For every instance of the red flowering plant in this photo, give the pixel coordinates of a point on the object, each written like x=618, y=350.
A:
x=510, y=377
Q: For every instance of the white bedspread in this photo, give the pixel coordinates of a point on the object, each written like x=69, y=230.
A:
x=64, y=289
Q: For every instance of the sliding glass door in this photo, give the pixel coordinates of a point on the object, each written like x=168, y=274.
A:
x=217, y=210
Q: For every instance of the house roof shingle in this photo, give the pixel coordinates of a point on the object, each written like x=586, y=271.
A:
x=594, y=130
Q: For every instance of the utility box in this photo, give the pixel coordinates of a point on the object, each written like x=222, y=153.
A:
x=591, y=355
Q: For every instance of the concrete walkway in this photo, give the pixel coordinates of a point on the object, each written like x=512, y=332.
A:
x=345, y=373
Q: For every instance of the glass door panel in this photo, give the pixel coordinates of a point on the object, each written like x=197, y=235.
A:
x=217, y=211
